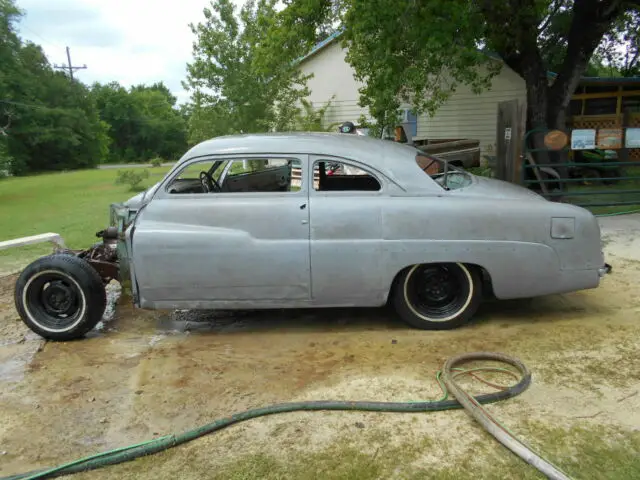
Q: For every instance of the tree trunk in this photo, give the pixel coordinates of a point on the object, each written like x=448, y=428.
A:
x=535, y=76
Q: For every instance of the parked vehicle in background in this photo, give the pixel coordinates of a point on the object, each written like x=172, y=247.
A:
x=228, y=228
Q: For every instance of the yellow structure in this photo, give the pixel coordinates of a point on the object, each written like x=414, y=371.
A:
x=607, y=103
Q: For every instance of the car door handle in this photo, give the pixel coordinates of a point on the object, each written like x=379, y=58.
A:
x=303, y=206
x=304, y=222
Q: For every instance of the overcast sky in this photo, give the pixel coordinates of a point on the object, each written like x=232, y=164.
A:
x=129, y=41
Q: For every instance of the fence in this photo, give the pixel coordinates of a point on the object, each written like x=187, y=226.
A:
x=602, y=184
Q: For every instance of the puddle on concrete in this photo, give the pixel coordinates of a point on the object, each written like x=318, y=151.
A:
x=15, y=359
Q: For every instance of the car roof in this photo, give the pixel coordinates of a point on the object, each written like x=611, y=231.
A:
x=394, y=160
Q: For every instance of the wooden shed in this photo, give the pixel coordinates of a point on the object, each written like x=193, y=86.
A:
x=607, y=102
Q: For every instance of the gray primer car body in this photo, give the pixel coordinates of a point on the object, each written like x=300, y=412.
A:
x=344, y=248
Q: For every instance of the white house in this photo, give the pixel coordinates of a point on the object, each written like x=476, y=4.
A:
x=465, y=115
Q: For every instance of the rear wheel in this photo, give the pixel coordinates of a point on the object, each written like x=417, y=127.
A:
x=60, y=297
x=438, y=296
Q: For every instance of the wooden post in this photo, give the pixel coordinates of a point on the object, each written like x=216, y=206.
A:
x=507, y=139
x=626, y=121
x=619, y=104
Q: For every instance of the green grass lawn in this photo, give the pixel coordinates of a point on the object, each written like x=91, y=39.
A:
x=73, y=204
x=625, y=190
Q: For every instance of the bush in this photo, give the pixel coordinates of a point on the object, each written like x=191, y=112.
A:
x=156, y=162
x=133, y=178
x=481, y=171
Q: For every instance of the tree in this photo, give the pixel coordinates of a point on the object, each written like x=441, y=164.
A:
x=51, y=122
x=143, y=121
x=619, y=51
x=229, y=93
x=419, y=52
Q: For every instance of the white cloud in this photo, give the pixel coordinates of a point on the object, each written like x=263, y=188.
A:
x=128, y=41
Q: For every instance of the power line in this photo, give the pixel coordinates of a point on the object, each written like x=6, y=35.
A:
x=41, y=37
x=69, y=65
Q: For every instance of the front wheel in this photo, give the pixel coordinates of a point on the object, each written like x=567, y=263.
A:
x=60, y=297
x=438, y=296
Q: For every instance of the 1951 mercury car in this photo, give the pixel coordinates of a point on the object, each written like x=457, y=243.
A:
x=260, y=221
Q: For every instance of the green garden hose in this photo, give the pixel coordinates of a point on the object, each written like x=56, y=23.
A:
x=446, y=380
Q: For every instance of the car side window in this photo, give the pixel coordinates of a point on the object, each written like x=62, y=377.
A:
x=189, y=179
x=239, y=175
x=262, y=175
x=336, y=176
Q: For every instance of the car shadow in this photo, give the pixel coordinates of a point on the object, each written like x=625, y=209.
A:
x=512, y=312
x=320, y=320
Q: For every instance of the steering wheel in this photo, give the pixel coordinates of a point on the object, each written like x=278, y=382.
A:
x=208, y=183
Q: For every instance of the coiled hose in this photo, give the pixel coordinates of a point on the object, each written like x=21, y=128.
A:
x=446, y=380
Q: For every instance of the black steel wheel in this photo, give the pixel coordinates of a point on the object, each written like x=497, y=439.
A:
x=60, y=297
x=438, y=296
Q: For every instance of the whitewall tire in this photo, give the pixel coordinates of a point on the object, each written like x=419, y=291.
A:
x=60, y=297
x=438, y=296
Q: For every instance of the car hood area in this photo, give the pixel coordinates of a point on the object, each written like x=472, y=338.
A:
x=135, y=202
x=493, y=188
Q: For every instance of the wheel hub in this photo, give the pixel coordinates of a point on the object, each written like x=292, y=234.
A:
x=58, y=298
x=437, y=286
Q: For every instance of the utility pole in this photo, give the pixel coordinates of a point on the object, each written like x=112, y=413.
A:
x=69, y=66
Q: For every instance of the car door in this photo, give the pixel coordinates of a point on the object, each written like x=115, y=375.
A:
x=347, y=254
x=226, y=248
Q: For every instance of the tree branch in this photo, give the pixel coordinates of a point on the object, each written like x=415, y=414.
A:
x=591, y=20
x=559, y=4
x=631, y=64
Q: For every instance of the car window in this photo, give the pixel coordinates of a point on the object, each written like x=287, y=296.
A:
x=450, y=178
x=238, y=175
x=336, y=176
x=262, y=175
x=193, y=171
x=188, y=179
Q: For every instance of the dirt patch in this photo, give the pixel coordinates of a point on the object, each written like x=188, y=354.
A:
x=147, y=374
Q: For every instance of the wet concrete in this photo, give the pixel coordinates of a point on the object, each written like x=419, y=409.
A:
x=145, y=374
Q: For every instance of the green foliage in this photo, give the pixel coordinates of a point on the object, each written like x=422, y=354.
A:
x=143, y=121
x=230, y=93
x=417, y=54
x=414, y=65
x=310, y=119
x=402, y=51
x=156, y=162
x=133, y=178
x=5, y=159
x=619, y=52
x=481, y=171
x=51, y=122
x=54, y=123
